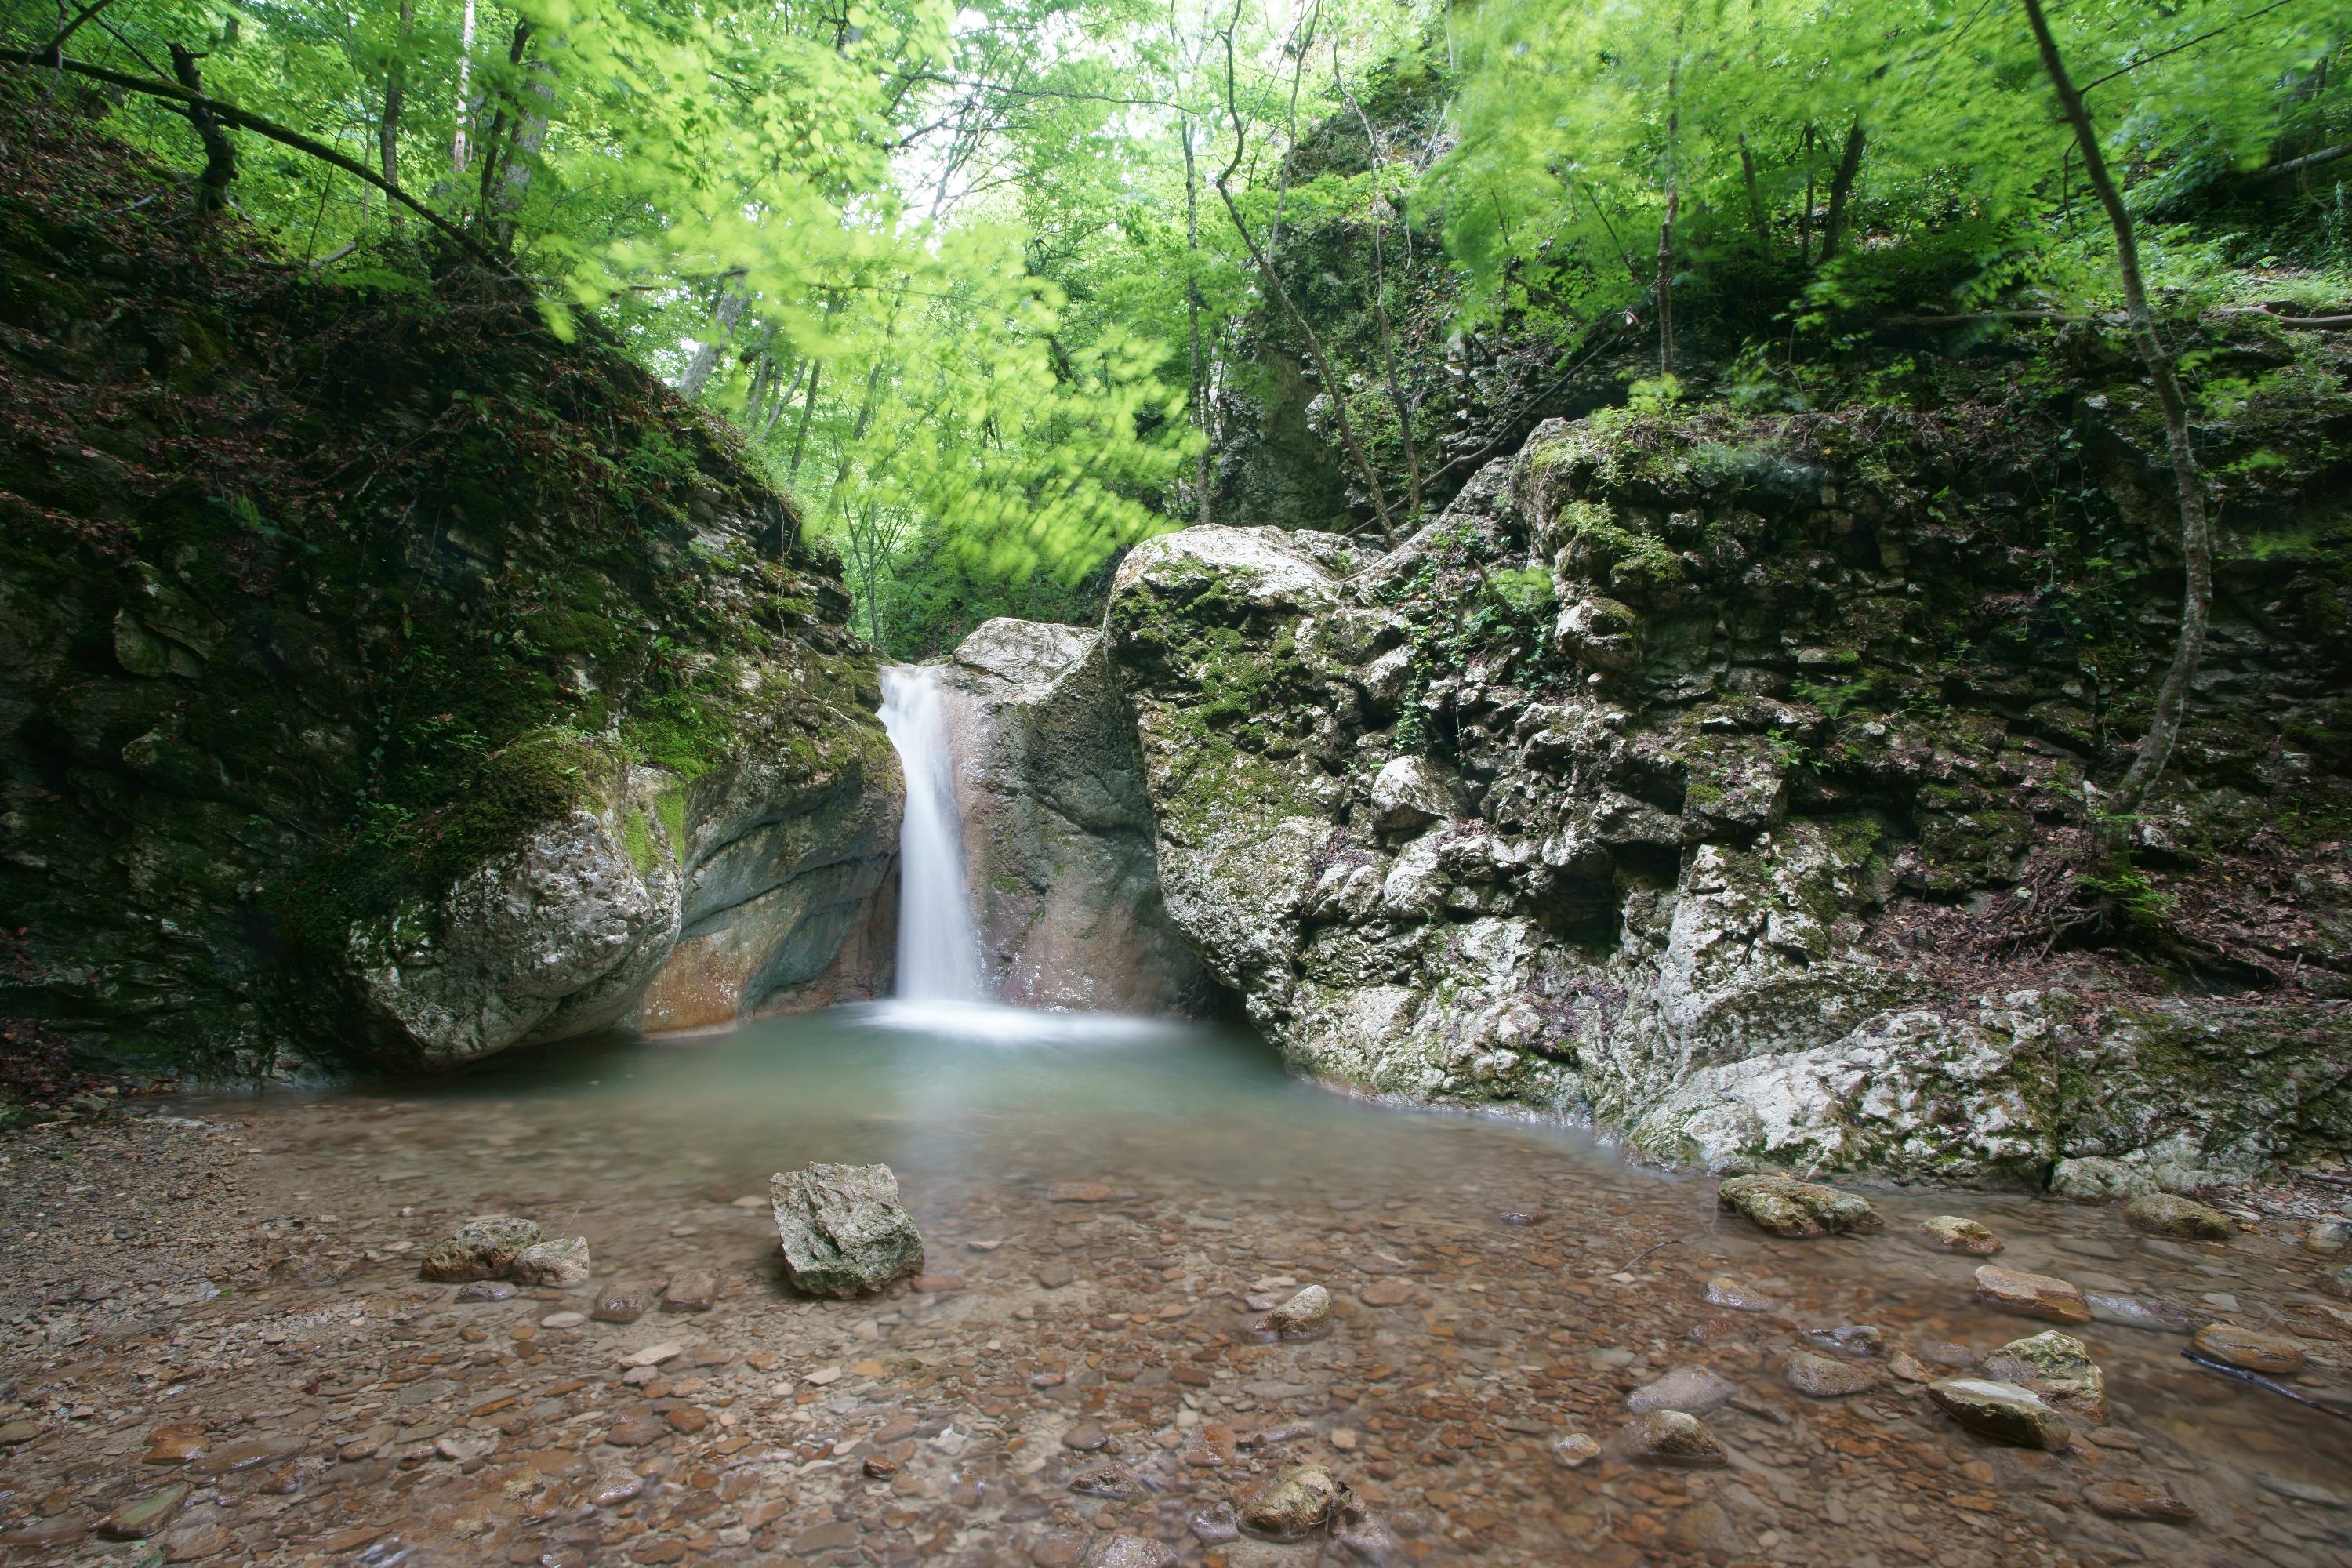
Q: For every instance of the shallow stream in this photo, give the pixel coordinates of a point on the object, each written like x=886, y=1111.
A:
x=1108, y=1208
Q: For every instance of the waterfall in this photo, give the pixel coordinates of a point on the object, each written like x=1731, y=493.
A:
x=939, y=956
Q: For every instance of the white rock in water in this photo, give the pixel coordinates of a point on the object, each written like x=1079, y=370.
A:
x=563, y=1261
x=1308, y=1312
x=845, y=1232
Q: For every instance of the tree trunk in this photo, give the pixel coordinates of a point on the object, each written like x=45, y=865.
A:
x=220, y=154
x=1199, y=376
x=1842, y=191
x=494, y=153
x=733, y=298
x=2196, y=529
x=387, y=130
x=1805, y=220
x=1666, y=279
x=1755, y=202
x=459, y=155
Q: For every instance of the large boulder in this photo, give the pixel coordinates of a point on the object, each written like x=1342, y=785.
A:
x=845, y=1232
x=476, y=692
x=1059, y=854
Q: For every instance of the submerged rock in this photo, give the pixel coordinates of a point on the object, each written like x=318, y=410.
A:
x=481, y=1249
x=2059, y=1368
x=561, y=1261
x=1734, y=1297
x=1694, y=1389
x=1574, y=1451
x=2255, y=1350
x=1673, y=1437
x=2166, y=1213
x=1954, y=1234
x=1786, y=1207
x=2139, y=1312
x=1300, y=1502
x=2136, y=1500
x=1822, y=1377
x=844, y=1231
x=2003, y=1411
x=1304, y=1315
x=2031, y=1295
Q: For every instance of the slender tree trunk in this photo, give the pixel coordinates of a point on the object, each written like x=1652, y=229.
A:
x=1842, y=191
x=220, y=153
x=1805, y=219
x=493, y=150
x=2196, y=529
x=1665, y=280
x=733, y=298
x=1199, y=375
x=530, y=133
x=387, y=130
x=458, y=152
x=1755, y=202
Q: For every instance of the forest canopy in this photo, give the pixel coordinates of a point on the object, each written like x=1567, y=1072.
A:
x=985, y=287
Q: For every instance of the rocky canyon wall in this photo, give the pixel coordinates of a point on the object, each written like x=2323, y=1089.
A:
x=1720, y=779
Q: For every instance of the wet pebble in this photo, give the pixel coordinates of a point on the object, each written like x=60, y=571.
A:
x=2137, y=1312
x=1574, y=1451
x=1826, y=1377
x=1954, y=1234
x=1295, y=1504
x=2136, y=1500
x=1085, y=1437
x=615, y=1488
x=1852, y=1340
x=1134, y=1551
x=485, y=1290
x=1734, y=1297
x=2003, y=1411
x=1214, y=1525
x=1304, y=1315
x=1693, y=1389
x=1673, y=1437
x=696, y=1290
x=618, y=1307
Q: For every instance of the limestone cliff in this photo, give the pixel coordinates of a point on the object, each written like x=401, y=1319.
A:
x=1724, y=777
x=382, y=678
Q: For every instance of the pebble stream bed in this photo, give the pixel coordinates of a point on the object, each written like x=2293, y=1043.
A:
x=218, y=1349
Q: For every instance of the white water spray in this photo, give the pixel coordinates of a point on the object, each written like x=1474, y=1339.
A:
x=939, y=957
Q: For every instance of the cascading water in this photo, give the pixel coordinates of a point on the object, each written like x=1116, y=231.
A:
x=939, y=956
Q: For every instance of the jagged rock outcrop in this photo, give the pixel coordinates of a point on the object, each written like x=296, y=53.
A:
x=382, y=676
x=1058, y=841
x=1705, y=779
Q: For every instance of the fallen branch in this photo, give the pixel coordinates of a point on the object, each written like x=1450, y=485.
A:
x=2326, y=1407
x=246, y=119
x=2298, y=165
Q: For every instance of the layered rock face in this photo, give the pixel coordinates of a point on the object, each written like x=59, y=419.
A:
x=1704, y=779
x=382, y=679
x=1058, y=845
